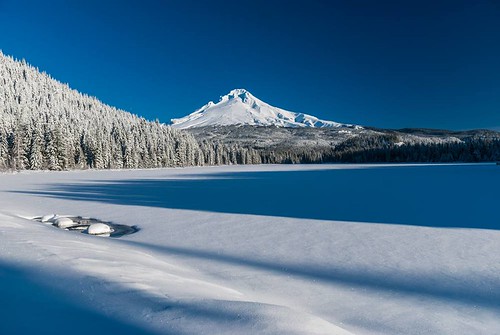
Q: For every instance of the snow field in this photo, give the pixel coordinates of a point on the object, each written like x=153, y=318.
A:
x=203, y=265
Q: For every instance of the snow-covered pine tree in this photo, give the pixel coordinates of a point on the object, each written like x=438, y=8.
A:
x=3, y=148
x=35, y=156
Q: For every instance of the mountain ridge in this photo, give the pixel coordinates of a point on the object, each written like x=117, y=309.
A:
x=240, y=107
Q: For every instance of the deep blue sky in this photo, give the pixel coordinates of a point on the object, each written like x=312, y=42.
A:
x=389, y=64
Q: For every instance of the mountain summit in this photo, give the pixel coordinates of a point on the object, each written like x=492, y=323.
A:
x=240, y=107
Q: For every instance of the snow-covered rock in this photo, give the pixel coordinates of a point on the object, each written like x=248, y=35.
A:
x=63, y=222
x=240, y=107
x=55, y=217
x=48, y=218
x=99, y=229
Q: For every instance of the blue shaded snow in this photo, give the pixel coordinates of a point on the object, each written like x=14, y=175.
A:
x=425, y=195
x=28, y=306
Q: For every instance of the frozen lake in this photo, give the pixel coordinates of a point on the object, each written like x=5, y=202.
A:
x=436, y=196
x=309, y=249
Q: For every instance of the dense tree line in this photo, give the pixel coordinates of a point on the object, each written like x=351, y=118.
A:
x=388, y=148
x=471, y=150
x=46, y=125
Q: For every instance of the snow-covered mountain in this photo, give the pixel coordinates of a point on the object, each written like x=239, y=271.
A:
x=240, y=107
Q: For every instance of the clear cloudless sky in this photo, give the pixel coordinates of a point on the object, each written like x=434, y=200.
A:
x=392, y=64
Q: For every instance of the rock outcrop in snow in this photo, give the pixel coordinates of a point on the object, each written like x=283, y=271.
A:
x=240, y=107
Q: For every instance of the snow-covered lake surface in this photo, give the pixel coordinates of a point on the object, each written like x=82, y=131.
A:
x=316, y=249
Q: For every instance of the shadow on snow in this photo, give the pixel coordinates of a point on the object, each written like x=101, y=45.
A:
x=34, y=307
x=30, y=307
x=478, y=290
x=463, y=196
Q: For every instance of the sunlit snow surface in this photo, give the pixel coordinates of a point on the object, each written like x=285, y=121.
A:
x=317, y=249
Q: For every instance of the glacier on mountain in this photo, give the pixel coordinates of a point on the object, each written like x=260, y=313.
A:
x=240, y=107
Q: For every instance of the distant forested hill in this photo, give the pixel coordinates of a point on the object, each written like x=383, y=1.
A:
x=361, y=145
